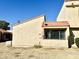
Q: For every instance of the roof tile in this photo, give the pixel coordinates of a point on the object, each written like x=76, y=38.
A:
x=55, y=24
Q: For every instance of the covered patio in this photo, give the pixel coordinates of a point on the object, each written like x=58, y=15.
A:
x=56, y=33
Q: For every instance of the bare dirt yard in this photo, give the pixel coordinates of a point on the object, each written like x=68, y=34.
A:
x=41, y=53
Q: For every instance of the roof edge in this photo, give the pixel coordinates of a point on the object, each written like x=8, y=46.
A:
x=30, y=20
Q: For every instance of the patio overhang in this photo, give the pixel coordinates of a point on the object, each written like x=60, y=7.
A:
x=56, y=25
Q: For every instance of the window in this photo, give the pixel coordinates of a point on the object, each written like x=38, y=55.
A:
x=54, y=34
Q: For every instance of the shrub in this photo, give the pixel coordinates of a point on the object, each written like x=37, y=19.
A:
x=77, y=42
x=37, y=46
x=70, y=39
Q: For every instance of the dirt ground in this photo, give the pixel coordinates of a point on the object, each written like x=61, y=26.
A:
x=41, y=53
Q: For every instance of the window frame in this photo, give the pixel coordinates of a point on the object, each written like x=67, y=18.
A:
x=59, y=30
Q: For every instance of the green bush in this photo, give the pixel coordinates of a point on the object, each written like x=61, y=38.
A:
x=77, y=42
x=70, y=40
x=37, y=46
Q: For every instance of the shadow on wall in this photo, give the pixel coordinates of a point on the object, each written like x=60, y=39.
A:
x=5, y=36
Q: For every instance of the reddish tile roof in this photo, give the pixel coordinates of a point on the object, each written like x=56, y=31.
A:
x=55, y=24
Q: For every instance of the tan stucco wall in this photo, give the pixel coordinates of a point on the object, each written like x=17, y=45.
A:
x=31, y=33
x=28, y=34
x=70, y=14
x=76, y=33
x=55, y=43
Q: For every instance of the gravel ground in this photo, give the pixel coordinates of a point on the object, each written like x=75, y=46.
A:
x=41, y=53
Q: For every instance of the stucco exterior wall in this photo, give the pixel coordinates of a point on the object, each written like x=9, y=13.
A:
x=55, y=43
x=31, y=33
x=28, y=34
x=70, y=14
x=76, y=33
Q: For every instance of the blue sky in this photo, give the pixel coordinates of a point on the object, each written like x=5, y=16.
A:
x=14, y=10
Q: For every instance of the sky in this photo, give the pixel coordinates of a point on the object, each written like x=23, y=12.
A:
x=21, y=10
